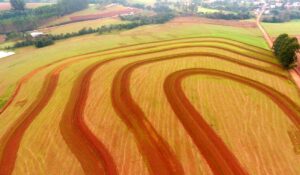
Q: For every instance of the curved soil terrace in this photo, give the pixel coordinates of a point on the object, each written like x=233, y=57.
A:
x=159, y=157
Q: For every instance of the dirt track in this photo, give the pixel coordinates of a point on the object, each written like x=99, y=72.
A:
x=155, y=150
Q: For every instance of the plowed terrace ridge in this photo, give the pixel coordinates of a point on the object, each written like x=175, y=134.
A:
x=14, y=137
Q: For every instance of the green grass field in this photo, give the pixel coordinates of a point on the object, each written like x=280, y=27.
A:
x=209, y=10
x=275, y=29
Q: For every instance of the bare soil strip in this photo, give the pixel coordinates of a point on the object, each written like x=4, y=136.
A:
x=13, y=138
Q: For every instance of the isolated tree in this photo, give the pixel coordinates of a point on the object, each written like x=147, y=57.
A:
x=285, y=49
x=17, y=4
x=278, y=42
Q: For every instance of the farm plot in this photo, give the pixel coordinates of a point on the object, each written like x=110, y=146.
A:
x=180, y=106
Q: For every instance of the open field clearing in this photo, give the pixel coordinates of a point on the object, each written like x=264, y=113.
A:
x=233, y=23
x=93, y=12
x=7, y=6
x=144, y=108
x=275, y=29
x=209, y=10
x=75, y=27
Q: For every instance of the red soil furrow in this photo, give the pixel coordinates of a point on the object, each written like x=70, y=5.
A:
x=214, y=149
x=75, y=132
x=12, y=139
x=24, y=79
x=155, y=150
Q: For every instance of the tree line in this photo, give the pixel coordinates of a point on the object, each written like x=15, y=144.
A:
x=285, y=49
x=134, y=22
x=22, y=19
x=278, y=16
x=227, y=16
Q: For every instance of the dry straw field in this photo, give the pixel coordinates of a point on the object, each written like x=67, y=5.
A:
x=198, y=105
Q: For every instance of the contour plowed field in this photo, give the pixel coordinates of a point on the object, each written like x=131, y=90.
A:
x=182, y=106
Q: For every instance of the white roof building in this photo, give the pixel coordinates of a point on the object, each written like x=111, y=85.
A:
x=36, y=34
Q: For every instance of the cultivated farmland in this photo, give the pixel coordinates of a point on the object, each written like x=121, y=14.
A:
x=193, y=105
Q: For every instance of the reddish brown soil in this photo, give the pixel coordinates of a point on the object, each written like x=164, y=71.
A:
x=2, y=38
x=82, y=142
x=104, y=15
x=199, y=20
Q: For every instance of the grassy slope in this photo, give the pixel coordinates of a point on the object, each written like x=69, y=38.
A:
x=275, y=29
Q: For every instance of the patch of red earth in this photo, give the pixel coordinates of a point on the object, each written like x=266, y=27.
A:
x=199, y=20
x=7, y=6
x=105, y=14
x=2, y=38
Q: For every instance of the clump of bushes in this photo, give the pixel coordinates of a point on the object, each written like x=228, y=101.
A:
x=43, y=42
x=285, y=49
x=227, y=16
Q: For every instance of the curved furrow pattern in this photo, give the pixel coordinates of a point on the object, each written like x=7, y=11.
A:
x=181, y=104
x=209, y=143
x=25, y=78
x=11, y=140
x=75, y=107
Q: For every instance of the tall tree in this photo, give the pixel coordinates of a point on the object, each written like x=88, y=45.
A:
x=17, y=4
x=285, y=49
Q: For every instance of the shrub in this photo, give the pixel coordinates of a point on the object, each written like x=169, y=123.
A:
x=42, y=42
